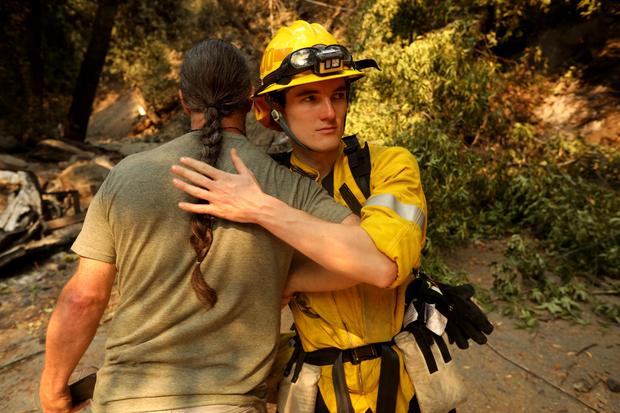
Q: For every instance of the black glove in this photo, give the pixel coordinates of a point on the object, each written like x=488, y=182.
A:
x=465, y=319
x=469, y=320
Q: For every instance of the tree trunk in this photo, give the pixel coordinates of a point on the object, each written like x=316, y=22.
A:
x=35, y=36
x=76, y=122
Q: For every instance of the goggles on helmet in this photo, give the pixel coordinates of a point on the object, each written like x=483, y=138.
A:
x=322, y=60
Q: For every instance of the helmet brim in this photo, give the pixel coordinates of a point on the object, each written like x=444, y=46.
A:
x=305, y=78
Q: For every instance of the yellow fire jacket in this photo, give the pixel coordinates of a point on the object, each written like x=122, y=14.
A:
x=395, y=218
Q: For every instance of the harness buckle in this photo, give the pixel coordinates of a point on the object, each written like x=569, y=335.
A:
x=351, y=144
x=362, y=353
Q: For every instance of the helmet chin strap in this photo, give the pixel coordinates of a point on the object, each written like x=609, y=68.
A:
x=279, y=118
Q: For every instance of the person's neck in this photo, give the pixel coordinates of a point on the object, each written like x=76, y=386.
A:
x=232, y=123
x=323, y=162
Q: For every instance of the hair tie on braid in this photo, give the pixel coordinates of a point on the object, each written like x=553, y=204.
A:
x=212, y=114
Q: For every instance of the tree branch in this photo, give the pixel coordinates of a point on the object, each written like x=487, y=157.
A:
x=320, y=3
x=555, y=386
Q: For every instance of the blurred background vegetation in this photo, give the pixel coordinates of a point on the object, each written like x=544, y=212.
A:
x=459, y=85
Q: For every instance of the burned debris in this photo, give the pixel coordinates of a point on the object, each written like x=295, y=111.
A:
x=44, y=196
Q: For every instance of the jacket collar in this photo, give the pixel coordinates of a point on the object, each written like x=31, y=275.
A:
x=307, y=170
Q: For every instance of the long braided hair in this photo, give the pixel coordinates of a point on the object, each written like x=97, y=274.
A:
x=215, y=81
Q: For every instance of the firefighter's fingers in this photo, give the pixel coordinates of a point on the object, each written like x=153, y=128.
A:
x=202, y=167
x=196, y=208
x=194, y=177
x=193, y=190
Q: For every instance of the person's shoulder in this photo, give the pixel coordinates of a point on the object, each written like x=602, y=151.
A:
x=184, y=145
x=249, y=152
x=147, y=166
x=245, y=145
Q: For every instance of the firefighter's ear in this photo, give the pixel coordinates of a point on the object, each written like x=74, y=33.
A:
x=262, y=110
x=186, y=108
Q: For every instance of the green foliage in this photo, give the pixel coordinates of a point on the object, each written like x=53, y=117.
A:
x=525, y=274
x=611, y=312
x=146, y=44
x=150, y=38
x=431, y=96
x=563, y=201
x=145, y=51
x=442, y=94
x=501, y=21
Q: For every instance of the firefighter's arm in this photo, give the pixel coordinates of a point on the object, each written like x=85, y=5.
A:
x=71, y=329
x=308, y=276
x=343, y=248
x=395, y=214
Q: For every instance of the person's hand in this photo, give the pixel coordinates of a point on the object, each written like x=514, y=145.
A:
x=286, y=299
x=235, y=197
x=288, y=293
x=58, y=402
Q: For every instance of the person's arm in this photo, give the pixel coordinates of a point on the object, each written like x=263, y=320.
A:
x=343, y=249
x=71, y=329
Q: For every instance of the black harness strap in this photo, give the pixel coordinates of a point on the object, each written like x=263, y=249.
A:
x=424, y=343
x=297, y=358
x=443, y=348
x=328, y=183
x=350, y=199
x=389, y=380
x=359, y=163
x=341, y=391
x=426, y=339
x=283, y=158
x=299, y=362
x=328, y=356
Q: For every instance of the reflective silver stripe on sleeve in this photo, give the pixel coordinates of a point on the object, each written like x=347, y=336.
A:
x=409, y=212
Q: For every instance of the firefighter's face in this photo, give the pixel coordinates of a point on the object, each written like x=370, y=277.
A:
x=316, y=113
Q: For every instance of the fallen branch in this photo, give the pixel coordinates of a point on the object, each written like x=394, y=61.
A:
x=610, y=292
x=555, y=386
x=320, y=3
x=588, y=347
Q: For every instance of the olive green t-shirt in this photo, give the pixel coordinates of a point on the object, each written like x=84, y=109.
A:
x=164, y=350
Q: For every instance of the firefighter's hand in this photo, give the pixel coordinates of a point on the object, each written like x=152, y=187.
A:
x=235, y=197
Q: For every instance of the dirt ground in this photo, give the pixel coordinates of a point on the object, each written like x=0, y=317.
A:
x=565, y=367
